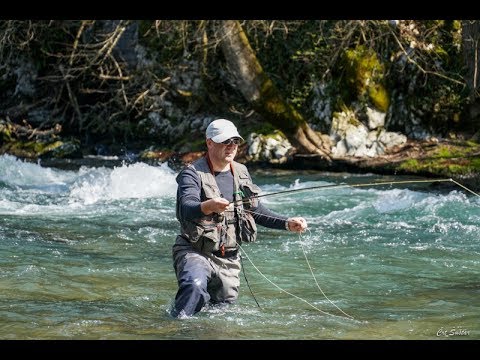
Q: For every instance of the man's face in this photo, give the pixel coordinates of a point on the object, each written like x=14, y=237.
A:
x=223, y=152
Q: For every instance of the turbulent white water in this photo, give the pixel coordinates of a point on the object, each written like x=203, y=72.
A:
x=87, y=255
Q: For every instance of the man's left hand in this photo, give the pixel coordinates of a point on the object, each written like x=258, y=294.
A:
x=297, y=224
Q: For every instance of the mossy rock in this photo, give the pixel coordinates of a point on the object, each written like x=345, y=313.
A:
x=379, y=97
x=160, y=155
x=5, y=132
x=34, y=149
x=365, y=77
x=62, y=149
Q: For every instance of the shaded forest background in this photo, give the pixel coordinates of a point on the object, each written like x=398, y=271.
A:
x=104, y=85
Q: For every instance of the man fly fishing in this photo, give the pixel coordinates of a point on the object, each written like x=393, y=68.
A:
x=218, y=209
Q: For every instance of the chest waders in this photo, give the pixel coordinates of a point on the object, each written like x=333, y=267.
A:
x=219, y=234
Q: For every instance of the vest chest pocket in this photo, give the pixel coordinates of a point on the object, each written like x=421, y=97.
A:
x=203, y=235
x=210, y=191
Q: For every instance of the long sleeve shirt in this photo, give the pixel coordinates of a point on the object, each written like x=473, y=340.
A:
x=188, y=194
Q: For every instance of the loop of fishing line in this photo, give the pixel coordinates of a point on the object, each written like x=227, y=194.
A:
x=322, y=187
x=280, y=288
x=311, y=271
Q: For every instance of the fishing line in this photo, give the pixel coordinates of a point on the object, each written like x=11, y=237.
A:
x=314, y=278
x=464, y=187
x=321, y=187
x=246, y=280
x=281, y=289
x=311, y=271
x=278, y=287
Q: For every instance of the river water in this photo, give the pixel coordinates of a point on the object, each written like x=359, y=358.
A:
x=86, y=254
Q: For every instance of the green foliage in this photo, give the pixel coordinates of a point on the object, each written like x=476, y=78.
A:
x=264, y=128
x=432, y=81
x=93, y=92
x=294, y=59
x=475, y=162
x=166, y=40
x=444, y=152
x=446, y=160
x=471, y=143
x=411, y=165
x=301, y=94
x=462, y=150
x=372, y=65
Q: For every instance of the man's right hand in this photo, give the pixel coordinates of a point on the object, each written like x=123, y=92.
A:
x=217, y=205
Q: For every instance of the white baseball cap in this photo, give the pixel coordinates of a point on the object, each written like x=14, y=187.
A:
x=221, y=129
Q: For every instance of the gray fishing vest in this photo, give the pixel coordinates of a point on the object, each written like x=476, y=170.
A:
x=216, y=232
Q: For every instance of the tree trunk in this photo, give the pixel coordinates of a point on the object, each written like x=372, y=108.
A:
x=471, y=53
x=259, y=90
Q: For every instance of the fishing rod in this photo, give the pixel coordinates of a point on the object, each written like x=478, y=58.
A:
x=336, y=186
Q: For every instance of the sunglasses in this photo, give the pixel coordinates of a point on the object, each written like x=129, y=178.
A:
x=236, y=141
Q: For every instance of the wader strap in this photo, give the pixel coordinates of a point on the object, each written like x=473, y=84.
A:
x=237, y=203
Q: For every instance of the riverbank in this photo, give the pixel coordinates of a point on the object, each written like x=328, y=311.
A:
x=456, y=159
